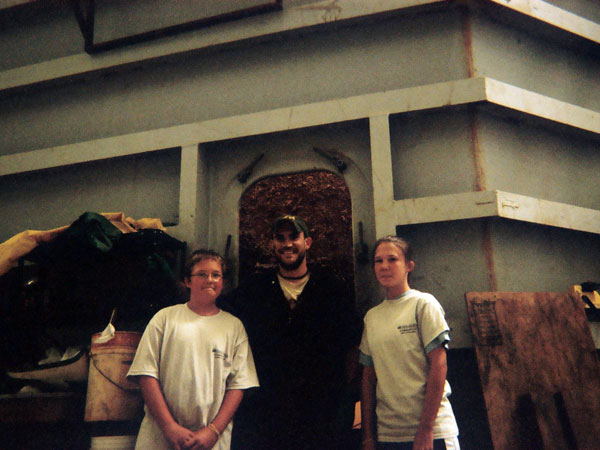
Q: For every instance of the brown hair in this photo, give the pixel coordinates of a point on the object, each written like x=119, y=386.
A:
x=402, y=244
x=200, y=255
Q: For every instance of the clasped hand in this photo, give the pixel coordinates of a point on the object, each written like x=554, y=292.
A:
x=203, y=439
x=180, y=438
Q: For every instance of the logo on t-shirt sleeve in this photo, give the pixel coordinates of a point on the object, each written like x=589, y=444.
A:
x=407, y=329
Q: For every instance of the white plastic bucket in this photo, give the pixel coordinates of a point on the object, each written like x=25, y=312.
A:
x=113, y=443
x=110, y=396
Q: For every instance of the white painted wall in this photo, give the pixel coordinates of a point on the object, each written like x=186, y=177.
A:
x=529, y=159
x=45, y=33
x=431, y=151
x=289, y=71
x=536, y=63
x=583, y=8
x=432, y=154
x=144, y=185
x=534, y=258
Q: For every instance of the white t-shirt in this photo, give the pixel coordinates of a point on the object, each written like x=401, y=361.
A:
x=196, y=359
x=292, y=288
x=395, y=336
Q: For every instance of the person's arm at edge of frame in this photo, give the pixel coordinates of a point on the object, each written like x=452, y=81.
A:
x=208, y=436
x=367, y=408
x=434, y=390
x=157, y=405
x=352, y=369
x=351, y=327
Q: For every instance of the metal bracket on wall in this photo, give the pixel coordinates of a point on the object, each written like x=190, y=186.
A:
x=362, y=256
x=227, y=258
x=244, y=174
x=85, y=12
x=333, y=157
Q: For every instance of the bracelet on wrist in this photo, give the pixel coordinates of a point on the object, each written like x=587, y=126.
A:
x=213, y=428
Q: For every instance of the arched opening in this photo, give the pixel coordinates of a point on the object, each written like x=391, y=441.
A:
x=320, y=197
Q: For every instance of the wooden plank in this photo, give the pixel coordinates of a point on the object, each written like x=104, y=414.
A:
x=539, y=369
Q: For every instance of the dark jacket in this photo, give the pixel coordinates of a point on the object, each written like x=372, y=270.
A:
x=300, y=353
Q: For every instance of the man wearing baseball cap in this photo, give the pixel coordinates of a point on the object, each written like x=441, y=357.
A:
x=302, y=327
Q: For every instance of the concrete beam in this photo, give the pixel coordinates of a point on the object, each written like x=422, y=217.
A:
x=302, y=116
x=538, y=105
x=381, y=168
x=189, y=183
x=475, y=205
x=438, y=95
x=555, y=16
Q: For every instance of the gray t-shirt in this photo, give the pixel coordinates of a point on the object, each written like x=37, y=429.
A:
x=396, y=335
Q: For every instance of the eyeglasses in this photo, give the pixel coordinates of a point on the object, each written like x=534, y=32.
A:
x=204, y=275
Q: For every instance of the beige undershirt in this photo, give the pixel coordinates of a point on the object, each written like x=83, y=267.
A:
x=292, y=288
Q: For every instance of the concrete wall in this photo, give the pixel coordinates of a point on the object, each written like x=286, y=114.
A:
x=583, y=8
x=433, y=154
x=42, y=35
x=527, y=158
x=496, y=254
x=535, y=62
x=289, y=152
x=452, y=150
x=145, y=185
x=288, y=71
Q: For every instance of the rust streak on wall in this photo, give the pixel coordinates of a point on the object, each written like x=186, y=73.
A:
x=467, y=33
x=488, y=252
x=479, y=183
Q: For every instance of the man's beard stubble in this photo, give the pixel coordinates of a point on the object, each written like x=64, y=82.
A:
x=291, y=266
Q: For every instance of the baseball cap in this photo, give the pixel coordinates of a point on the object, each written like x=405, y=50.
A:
x=298, y=223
